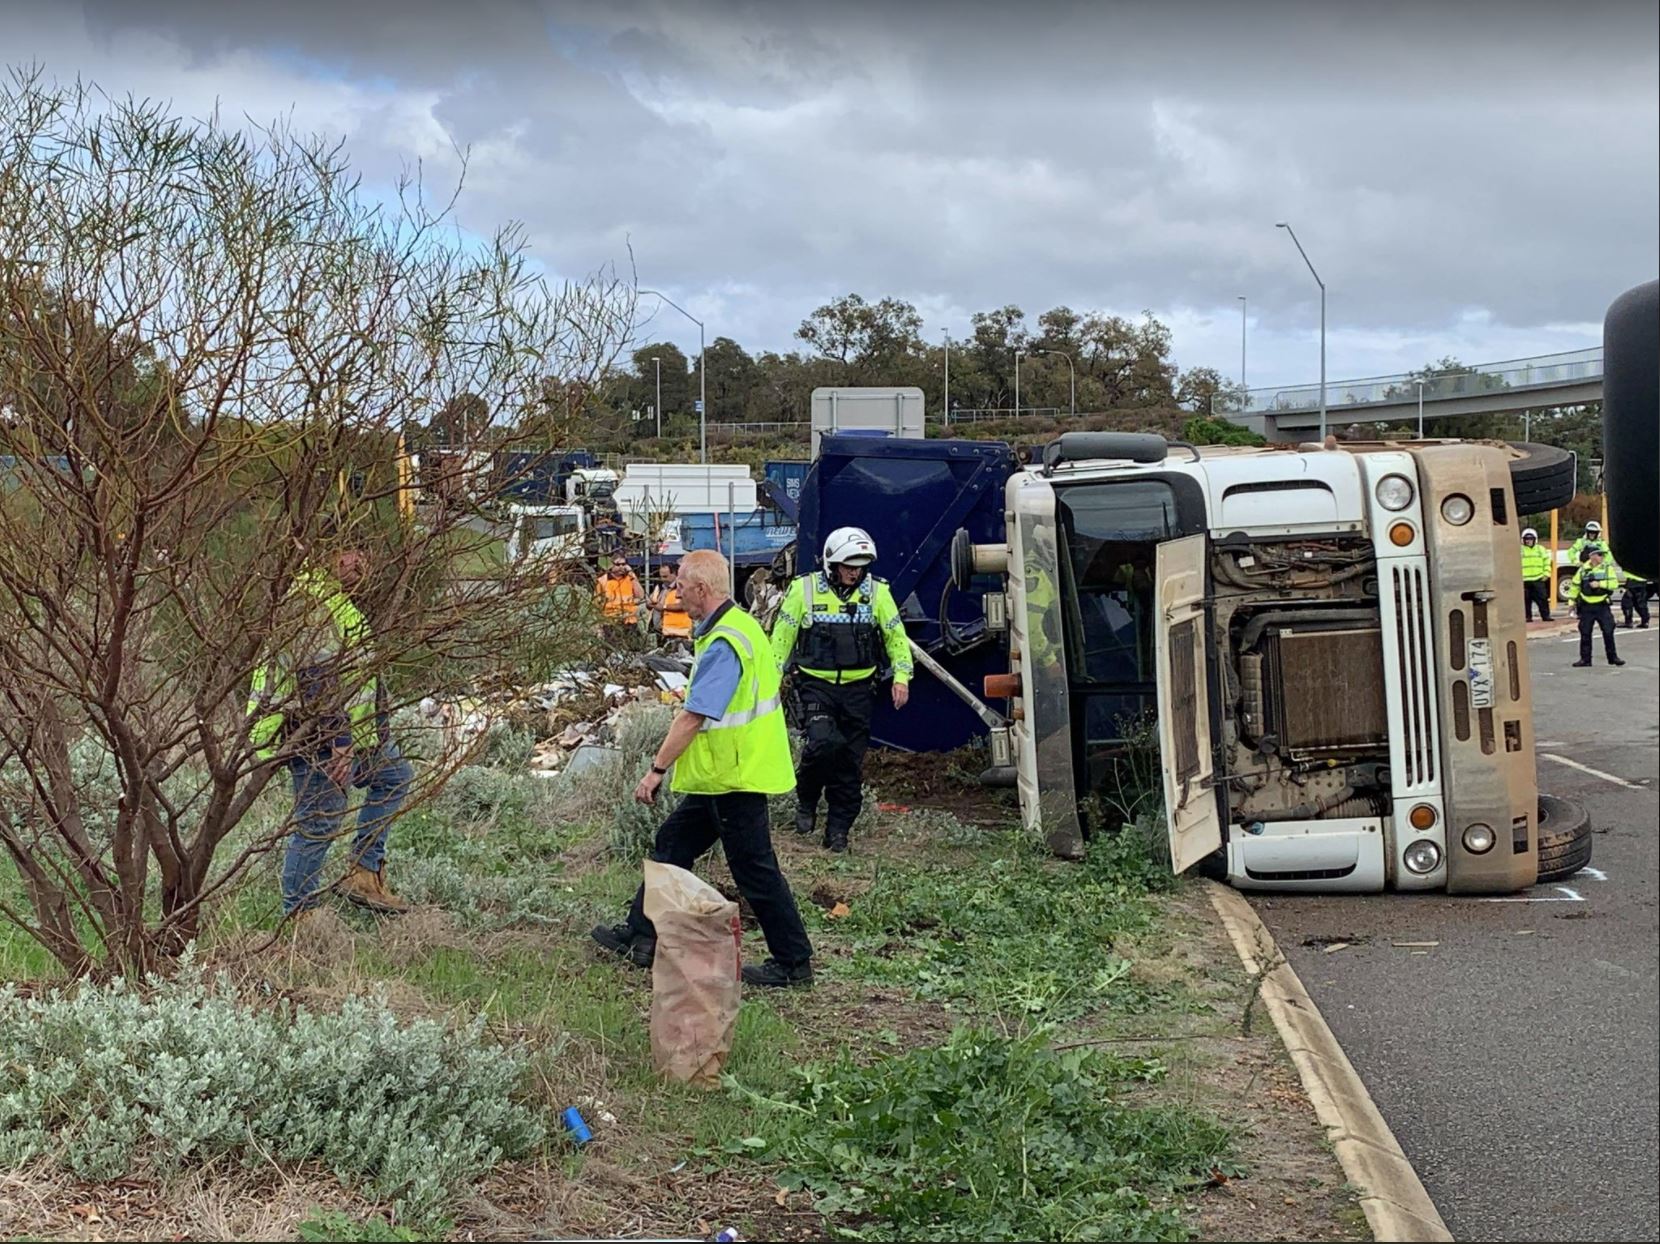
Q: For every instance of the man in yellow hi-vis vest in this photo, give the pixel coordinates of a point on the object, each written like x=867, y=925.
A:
x=319, y=706
x=1536, y=576
x=836, y=630
x=1590, y=590
x=729, y=749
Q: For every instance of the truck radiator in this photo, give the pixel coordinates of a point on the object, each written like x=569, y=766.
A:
x=1412, y=646
x=1325, y=690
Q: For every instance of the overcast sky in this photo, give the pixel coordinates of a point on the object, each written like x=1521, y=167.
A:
x=1477, y=179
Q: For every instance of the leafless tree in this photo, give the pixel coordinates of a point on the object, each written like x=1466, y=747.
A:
x=211, y=340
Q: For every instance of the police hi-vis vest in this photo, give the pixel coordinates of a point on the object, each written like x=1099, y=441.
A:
x=1535, y=563
x=839, y=640
x=1593, y=585
x=748, y=748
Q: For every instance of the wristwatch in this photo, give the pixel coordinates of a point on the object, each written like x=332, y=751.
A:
x=659, y=772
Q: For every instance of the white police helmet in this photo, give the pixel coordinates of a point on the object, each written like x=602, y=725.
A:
x=1593, y=528
x=849, y=546
x=1529, y=534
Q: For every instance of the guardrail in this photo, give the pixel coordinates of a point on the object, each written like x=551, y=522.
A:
x=1541, y=371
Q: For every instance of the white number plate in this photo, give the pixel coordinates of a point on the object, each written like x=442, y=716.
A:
x=1481, y=673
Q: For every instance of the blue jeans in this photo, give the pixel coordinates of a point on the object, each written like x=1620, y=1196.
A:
x=319, y=809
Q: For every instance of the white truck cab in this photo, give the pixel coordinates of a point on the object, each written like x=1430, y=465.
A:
x=1327, y=645
x=546, y=533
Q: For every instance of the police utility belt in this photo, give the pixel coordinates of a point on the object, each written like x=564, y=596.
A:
x=838, y=637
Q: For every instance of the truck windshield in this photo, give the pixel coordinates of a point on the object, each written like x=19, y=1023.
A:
x=1110, y=530
x=552, y=526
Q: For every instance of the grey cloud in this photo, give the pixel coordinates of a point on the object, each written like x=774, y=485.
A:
x=1434, y=158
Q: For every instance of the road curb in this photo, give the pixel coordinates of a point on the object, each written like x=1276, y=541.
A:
x=1391, y=1194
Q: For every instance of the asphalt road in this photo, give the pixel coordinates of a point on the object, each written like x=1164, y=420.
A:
x=1518, y=1058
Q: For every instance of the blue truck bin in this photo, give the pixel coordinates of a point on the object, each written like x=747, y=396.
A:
x=749, y=538
x=912, y=496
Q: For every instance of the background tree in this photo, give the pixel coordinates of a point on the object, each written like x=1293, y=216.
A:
x=203, y=334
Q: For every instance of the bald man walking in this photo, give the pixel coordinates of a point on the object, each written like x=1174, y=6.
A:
x=730, y=750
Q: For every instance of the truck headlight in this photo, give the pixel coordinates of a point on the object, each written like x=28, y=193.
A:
x=1457, y=509
x=1478, y=839
x=1422, y=857
x=1394, y=492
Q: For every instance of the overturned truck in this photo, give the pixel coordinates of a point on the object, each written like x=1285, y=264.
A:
x=1325, y=643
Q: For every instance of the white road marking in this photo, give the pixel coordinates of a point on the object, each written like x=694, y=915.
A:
x=1567, y=896
x=1595, y=874
x=1551, y=743
x=1607, y=777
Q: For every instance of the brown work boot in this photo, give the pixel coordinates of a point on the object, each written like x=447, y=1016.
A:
x=368, y=889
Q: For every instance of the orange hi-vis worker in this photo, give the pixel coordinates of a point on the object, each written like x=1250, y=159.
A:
x=676, y=622
x=620, y=593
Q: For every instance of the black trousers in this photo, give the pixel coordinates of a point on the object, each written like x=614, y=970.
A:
x=738, y=821
x=835, y=725
x=1635, y=601
x=1599, y=615
x=1536, y=592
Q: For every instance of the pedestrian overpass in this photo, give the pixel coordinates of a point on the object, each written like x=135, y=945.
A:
x=1510, y=387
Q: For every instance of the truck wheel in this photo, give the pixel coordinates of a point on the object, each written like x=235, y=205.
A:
x=1544, y=478
x=1564, y=838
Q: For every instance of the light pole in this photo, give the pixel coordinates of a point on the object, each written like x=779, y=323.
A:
x=1282, y=225
x=1242, y=306
x=702, y=377
x=1420, y=410
x=1018, y=355
x=658, y=363
x=947, y=378
x=1071, y=375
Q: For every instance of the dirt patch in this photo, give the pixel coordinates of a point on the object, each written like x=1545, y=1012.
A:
x=942, y=781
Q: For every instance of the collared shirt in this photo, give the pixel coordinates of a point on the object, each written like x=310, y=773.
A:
x=717, y=672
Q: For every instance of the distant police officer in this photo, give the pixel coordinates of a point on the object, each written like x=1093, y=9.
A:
x=1591, y=539
x=1590, y=589
x=836, y=630
x=1635, y=598
x=1536, y=575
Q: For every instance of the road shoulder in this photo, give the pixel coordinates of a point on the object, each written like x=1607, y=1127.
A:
x=1391, y=1194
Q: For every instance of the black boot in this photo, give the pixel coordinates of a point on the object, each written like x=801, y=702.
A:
x=774, y=975
x=835, y=840
x=806, y=820
x=625, y=943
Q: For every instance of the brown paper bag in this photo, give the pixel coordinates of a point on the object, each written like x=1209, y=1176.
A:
x=695, y=976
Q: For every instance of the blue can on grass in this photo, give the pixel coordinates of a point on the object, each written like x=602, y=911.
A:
x=574, y=1124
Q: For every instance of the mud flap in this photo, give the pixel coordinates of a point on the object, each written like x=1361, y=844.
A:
x=1191, y=816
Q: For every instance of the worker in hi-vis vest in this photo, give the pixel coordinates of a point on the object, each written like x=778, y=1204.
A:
x=840, y=634
x=729, y=749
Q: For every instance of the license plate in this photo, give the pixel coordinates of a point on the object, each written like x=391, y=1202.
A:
x=1480, y=661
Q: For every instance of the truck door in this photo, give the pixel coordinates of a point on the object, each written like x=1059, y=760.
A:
x=1191, y=816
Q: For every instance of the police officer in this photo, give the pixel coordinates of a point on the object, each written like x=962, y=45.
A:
x=1635, y=598
x=1535, y=575
x=1589, y=590
x=1591, y=538
x=836, y=630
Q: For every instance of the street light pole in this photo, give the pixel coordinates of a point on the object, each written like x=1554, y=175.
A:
x=702, y=376
x=1282, y=225
x=947, y=379
x=1018, y=355
x=1242, y=306
x=1071, y=375
x=659, y=364
x=1420, y=410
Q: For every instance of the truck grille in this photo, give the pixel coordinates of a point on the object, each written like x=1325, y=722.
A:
x=1417, y=690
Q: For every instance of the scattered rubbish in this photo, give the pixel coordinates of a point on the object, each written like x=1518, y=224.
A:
x=1332, y=941
x=576, y=1126
x=597, y=1108
x=1415, y=945
x=839, y=911
x=1337, y=946
x=589, y=757
x=1524, y=932
x=726, y=1235
x=893, y=807
x=677, y=1167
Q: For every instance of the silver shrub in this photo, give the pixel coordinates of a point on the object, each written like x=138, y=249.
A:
x=107, y=1079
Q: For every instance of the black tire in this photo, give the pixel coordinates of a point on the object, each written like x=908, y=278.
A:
x=1545, y=478
x=1564, y=838
x=1631, y=428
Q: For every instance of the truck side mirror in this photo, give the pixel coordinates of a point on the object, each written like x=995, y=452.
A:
x=969, y=559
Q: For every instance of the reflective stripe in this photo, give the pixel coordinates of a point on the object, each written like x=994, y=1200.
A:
x=738, y=639
x=744, y=717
